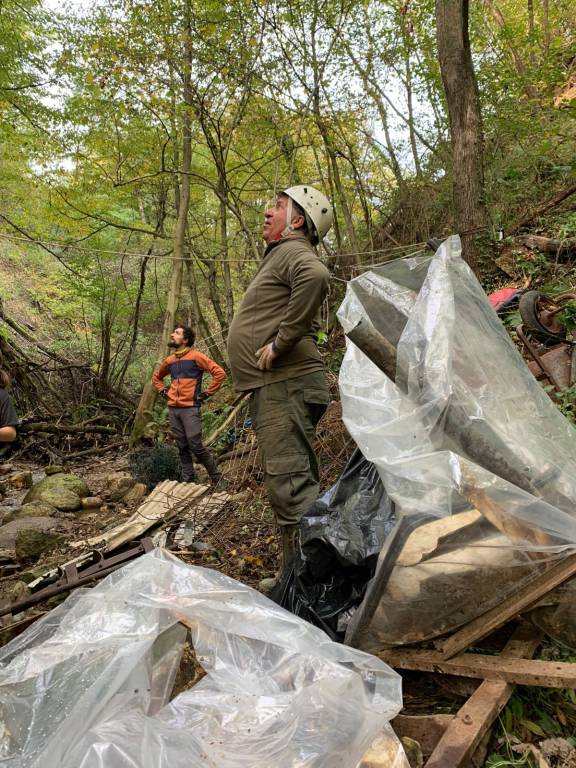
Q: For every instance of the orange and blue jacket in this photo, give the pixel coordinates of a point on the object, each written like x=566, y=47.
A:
x=186, y=371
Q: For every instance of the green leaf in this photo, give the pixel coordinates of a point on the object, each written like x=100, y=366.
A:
x=532, y=727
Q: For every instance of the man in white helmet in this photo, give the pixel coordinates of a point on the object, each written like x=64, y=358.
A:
x=273, y=353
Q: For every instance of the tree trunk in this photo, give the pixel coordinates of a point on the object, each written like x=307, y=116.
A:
x=226, y=263
x=409, y=103
x=149, y=393
x=546, y=25
x=119, y=381
x=465, y=121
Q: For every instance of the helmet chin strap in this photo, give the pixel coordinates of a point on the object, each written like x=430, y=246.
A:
x=288, y=229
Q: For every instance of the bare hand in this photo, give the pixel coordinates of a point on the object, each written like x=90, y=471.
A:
x=266, y=356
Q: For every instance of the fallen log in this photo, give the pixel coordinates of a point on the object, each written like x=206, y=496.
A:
x=67, y=429
x=544, y=208
x=94, y=451
x=557, y=248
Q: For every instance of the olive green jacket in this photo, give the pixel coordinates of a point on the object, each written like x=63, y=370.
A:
x=282, y=304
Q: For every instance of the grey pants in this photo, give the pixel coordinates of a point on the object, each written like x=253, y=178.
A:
x=186, y=426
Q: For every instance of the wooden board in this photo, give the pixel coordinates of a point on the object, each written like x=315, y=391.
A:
x=427, y=730
x=541, y=674
x=475, y=717
x=510, y=607
x=428, y=537
x=519, y=531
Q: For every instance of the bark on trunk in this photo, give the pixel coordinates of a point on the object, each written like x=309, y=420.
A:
x=465, y=121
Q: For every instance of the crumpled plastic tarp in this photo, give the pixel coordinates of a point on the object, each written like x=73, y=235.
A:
x=454, y=357
x=88, y=685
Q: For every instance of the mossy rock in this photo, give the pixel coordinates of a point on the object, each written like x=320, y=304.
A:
x=33, y=543
x=33, y=509
x=54, y=469
x=63, y=499
x=119, y=484
x=44, y=526
x=42, y=491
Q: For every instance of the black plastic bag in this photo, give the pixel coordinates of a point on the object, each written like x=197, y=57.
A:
x=340, y=539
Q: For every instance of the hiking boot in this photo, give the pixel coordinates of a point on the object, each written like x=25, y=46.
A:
x=288, y=534
x=189, y=479
x=267, y=585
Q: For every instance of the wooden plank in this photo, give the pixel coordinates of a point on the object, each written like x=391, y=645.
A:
x=518, y=530
x=510, y=607
x=427, y=730
x=542, y=674
x=425, y=539
x=475, y=717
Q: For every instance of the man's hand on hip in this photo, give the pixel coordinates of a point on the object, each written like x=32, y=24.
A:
x=266, y=356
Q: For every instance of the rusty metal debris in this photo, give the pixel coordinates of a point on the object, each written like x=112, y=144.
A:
x=546, y=340
x=70, y=577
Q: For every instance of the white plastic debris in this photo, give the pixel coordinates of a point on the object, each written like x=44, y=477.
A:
x=88, y=685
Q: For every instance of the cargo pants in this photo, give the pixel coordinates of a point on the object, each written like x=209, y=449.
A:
x=284, y=415
x=186, y=426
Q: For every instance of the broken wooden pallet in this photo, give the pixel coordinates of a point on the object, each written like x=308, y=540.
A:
x=473, y=720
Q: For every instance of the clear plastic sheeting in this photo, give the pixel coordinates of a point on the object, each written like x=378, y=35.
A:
x=479, y=462
x=88, y=685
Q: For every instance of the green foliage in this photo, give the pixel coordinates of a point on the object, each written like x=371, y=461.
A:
x=333, y=358
x=568, y=316
x=566, y=399
x=497, y=761
x=533, y=714
x=93, y=112
x=212, y=420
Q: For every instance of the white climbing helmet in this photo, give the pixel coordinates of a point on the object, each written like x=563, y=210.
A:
x=315, y=204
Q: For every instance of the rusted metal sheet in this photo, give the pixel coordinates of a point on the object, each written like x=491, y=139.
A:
x=554, y=364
